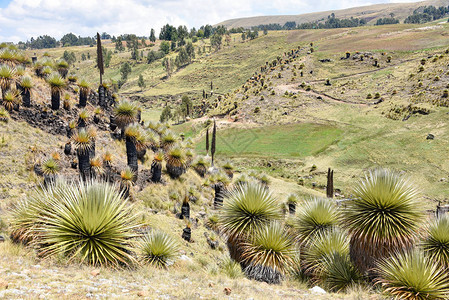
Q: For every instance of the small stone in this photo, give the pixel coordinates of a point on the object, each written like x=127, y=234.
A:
x=227, y=291
x=317, y=290
x=2, y=239
x=95, y=272
x=143, y=293
x=211, y=284
x=430, y=136
x=3, y=284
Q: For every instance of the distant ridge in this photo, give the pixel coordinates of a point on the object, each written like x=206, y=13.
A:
x=371, y=13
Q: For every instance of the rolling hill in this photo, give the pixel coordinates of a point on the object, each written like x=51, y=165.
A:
x=371, y=13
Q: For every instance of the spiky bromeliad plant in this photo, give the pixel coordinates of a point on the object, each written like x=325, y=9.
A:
x=50, y=169
x=168, y=140
x=436, y=241
x=56, y=83
x=127, y=179
x=200, y=166
x=316, y=216
x=175, y=162
x=25, y=86
x=83, y=144
x=272, y=249
x=84, y=88
x=4, y=115
x=158, y=249
x=63, y=68
x=136, y=140
x=125, y=113
x=322, y=246
x=246, y=209
x=10, y=99
x=7, y=76
x=338, y=273
x=86, y=221
x=413, y=275
x=383, y=218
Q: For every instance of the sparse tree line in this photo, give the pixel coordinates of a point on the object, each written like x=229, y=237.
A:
x=426, y=14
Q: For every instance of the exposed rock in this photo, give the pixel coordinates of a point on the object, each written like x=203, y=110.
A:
x=143, y=293
x=2, y=239
x=3, y=284
x=227, y=291
x=95, y=272
x=317, y=290
x=430, y=136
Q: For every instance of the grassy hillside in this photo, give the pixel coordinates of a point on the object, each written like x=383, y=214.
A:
x=369, y=12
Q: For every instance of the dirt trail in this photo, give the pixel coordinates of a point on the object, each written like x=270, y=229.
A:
x=294, y=88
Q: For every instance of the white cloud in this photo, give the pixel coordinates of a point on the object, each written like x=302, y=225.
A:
x=23, y=19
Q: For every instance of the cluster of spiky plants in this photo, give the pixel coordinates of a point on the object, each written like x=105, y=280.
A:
x=85, y=221
x=158, y=249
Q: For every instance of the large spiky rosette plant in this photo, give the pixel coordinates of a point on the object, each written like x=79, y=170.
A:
x=436, y=241
x=413, y=275
x=246, y=209
x=83, y=144
x=56, y=83
x=383, y=218
x=84, y=88
x=271, y=248
x=136, y=140
x=125, y=113
x=314, y=217
x=92, y=223
x=7, y=77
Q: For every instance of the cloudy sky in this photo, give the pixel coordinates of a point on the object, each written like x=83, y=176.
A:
x=22, y=19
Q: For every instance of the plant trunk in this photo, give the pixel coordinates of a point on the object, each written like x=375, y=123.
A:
x=55, y=100
x=141, y=154
x=68, y=148
x=292, y=208
x=187, y=234
x=92, y=149
x=26, y=97
x=131, y=153
x=156, y=171
x=330, y=183
x=81, y=123
x=219, y=191
x=84, y=164
x=175, y=172
x=185, y=211
x=101, y=96
x=83, y=99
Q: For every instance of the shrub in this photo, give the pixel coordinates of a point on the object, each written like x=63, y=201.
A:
x=231, y=268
